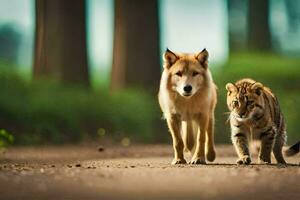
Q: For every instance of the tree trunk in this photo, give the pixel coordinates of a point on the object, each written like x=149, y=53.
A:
x=236, y=25
x=259, y=36
x=293, y=15
x=136, y=59
x=60, y=41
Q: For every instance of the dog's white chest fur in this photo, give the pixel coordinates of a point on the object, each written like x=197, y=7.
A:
x=187, y=108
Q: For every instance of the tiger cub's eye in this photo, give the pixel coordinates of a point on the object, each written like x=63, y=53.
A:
x=250, y=104
x=235, y=103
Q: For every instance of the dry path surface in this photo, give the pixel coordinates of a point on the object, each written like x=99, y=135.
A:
x=138, y=172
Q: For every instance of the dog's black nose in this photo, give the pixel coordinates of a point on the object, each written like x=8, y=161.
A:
x=187, y=88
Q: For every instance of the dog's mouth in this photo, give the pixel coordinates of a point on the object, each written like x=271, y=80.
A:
x=187, y=94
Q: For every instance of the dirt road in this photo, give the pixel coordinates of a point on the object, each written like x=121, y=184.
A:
x=138, y=172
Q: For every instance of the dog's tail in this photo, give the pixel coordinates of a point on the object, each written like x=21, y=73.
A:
x=189, y=135
x=293, y=150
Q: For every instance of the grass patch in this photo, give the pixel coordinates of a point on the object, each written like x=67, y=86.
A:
x=46, y=112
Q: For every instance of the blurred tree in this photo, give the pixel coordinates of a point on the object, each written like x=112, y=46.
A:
x=237, y=24
x=60, y=41
x=293, y=14
x=136, y=59
x=259, y=36
x=10, y=40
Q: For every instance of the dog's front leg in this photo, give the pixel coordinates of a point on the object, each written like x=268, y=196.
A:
x=199, y=155
x=174, y=124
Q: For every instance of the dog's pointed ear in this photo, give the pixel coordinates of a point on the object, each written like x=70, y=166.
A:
x=257, y=88
x=202, y=57
x=230, y=87
x=169, y=58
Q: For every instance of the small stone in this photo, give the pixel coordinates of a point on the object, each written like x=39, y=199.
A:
x=100, y=148
x=52, y=165
x=70, y=166
x=132, y=166
x=26, y=168
x=78, y=165
x=42, y=170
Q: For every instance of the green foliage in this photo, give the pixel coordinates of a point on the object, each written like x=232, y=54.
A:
x=279, y=73
x=6, y=139
x=47, y=112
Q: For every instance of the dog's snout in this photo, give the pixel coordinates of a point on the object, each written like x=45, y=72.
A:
x=187, y=88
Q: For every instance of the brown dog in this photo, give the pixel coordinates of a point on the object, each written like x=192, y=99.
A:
x=187, y=97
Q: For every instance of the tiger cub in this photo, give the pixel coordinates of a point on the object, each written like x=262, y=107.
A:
x=255, y=112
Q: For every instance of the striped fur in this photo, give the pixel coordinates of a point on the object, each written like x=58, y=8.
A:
x=293, y=150
x=255, y=113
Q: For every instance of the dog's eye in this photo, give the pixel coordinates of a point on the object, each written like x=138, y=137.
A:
x=179, y=74
x=195, y=73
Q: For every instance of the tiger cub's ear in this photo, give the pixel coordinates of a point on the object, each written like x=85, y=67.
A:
x=230, y=87
x=257, y=88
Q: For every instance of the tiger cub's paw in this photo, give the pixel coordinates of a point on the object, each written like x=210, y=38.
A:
x=266, y=161
x=245, y=160
x=282, y=164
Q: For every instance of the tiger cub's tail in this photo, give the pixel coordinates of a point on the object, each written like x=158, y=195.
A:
x=293, y=150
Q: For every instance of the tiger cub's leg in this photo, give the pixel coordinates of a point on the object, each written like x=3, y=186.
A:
x=239, y=137
x=280, y=139
x=267, y=140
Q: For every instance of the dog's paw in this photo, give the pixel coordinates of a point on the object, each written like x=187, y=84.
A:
x=211, y=155
x=246, y=160
x=178, y=161
x=197, y=161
